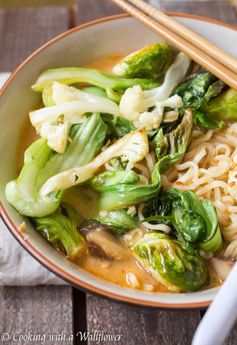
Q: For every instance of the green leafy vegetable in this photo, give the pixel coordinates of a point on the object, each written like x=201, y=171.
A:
x=149, y=62
x=205, y=121
x=193, y=219
x=124, y=195
x=199, y=89
x=169, y=263
x=40, y=163
x=117, y=126
x=60, y=229
x=132, y=148
x=196, y=92
x=173, y=146
x=47, y=97
x=94, y=90
x=106, y=179
x=223, y=107
x=119, y=221
x=113, y=85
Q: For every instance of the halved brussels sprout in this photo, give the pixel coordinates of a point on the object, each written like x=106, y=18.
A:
x=169, y=263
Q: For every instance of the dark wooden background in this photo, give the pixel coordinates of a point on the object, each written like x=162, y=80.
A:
x=64, y=310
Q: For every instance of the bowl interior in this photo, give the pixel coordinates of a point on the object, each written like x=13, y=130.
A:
x=86, y=44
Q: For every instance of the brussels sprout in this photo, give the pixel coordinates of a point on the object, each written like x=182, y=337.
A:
x=169, y=263
x=149, y=62
x=204, y=120
x=223, y=107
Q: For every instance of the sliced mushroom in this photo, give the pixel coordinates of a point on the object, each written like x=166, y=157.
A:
x=102, y=243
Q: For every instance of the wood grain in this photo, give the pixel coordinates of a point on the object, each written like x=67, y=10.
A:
x=24, y=30
x=93, y=9
x=36, y=310
x=145, y=326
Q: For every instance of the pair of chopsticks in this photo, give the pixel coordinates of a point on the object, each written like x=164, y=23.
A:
x=206, y=54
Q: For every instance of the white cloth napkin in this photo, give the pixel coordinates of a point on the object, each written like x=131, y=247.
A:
x=17, y=267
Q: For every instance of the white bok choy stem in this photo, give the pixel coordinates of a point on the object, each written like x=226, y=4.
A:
x=133, y=147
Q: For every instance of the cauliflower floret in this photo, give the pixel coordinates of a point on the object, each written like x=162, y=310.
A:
x=135, y=102
x=133, y=147
x=152, y=119
x=56, y=135
x=131, y=104
x=54, y=122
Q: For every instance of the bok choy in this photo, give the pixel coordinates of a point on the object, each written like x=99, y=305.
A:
x=196, y=92
x=132, y=148
x=61, y=230
x=70, y=106
x=120, y=194
x=40, y=163
x=112, y=84
x=194, y=220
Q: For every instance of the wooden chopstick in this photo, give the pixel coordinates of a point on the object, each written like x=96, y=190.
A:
x=203, y=59
x=189, y=35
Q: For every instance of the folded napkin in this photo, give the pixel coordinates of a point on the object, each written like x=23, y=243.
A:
x=17, y=267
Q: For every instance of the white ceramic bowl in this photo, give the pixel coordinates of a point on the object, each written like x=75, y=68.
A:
x=86, y=43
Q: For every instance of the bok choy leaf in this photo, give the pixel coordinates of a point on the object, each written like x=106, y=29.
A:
x=194, y=220
x=196, y=92
x=170, y=149
x=118, y=221
x=40, y=163
x=61, y=230
x=113, y=85
x=132, y=148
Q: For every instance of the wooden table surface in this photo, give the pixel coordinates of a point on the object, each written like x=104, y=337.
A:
x=53, y=311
